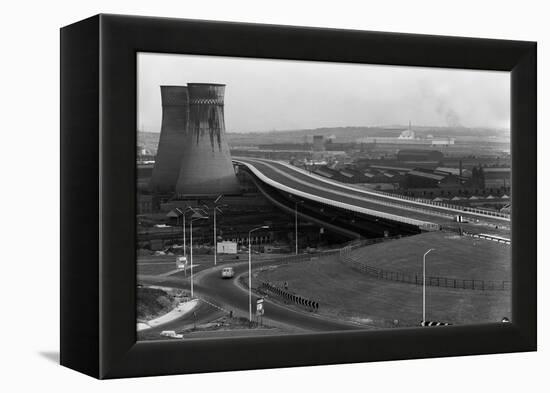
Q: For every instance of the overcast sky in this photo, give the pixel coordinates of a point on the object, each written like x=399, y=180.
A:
x=266, y=95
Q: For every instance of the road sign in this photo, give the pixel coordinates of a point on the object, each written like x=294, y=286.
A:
x=227, y=247
x=260, y=307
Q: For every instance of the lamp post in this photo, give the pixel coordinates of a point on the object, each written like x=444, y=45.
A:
x=182, y=212
x=424, y=284
x=196, y=216
x=250, y=271
x=215, y=209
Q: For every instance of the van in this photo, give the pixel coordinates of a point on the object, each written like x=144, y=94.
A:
x=228, y=272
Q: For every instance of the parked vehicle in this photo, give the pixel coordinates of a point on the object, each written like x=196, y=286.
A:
x=171, y=334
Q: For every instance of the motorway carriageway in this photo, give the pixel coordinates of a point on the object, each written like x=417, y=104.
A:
x=314, y=187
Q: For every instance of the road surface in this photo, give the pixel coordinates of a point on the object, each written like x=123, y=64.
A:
x=298, y=182
x=227, y=294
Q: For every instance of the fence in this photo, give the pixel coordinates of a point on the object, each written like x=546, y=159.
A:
x=348, y=246
x=488, y=237
x=417, y=279
x=466, y=209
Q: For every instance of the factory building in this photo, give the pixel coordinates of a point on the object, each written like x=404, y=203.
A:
x=318, y=143
x=419, y=155
x=497, y=177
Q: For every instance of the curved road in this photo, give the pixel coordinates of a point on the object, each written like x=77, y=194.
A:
x=287, y=178
x=227, y=294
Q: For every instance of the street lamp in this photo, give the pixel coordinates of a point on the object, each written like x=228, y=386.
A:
x=250, y=271
x=196, y=216
x=215, y=209
x=424, y=284
x=182, y=212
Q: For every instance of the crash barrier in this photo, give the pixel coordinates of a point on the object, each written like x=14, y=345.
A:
x=434, y=323
x=288, y=296
x=488, y=237
x=416, y=200
x=417, y=279
x=429, y=226
x=488, y=213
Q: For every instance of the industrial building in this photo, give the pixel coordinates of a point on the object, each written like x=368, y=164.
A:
x=408, y=137
x=318, y=143
x=497, y=178
x=419, y=155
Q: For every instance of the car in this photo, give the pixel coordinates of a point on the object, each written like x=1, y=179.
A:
x=171, y=334
x=228, y=272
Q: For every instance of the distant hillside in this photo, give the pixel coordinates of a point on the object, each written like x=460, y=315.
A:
x=342, y=134
x=350, y=134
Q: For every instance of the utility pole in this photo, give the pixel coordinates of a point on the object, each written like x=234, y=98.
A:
x=250, y=270
x=215, y=208
x=424, y=284
x=194, y=217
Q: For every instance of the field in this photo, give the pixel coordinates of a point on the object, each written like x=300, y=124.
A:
x=345, y=293
x=453, y=256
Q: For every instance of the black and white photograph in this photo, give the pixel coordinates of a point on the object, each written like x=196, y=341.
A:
x=291, y=196
x=279, y=197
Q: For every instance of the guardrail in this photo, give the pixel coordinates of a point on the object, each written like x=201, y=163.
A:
x=331, y=202
x=466, y=209
x=290, y=297
x=484, y=212
x=488, y=237
x=417, y=279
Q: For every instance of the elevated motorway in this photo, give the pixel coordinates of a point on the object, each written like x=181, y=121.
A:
x=422, y=214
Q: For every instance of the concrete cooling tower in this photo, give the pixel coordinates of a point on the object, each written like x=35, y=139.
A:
x=206, y=167
x=172, y=140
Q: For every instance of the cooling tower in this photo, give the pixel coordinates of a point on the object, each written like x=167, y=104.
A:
x=172, y=140
x=206, y=167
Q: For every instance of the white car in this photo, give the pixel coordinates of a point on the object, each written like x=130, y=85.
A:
x=228, y=272
x=171, y=334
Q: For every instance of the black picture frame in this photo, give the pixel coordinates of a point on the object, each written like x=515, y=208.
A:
x=98, y=189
